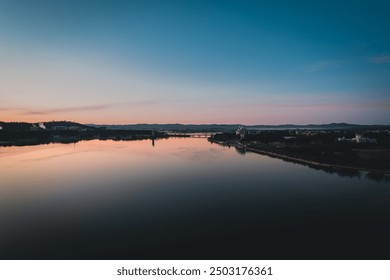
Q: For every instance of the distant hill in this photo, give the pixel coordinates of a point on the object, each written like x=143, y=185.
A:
x=25, y=126
x=173, y=127
x=311, y=126
x=15, y=126
x=25, y=134
x=232, y=127
x=52, y=124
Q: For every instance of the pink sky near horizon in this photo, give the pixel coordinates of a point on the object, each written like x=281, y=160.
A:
x=222, y=113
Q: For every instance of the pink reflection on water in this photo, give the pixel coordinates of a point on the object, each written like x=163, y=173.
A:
x=52, y=167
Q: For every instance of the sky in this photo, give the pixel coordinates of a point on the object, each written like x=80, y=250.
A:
x=193, y=62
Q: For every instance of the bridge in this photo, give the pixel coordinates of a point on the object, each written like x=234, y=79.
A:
x=192, y=135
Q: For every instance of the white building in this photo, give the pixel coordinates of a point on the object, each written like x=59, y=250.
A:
x=41, y=125
x=359, y=138
x=241, y=131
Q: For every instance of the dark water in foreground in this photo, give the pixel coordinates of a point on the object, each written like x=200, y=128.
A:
x=183, y=198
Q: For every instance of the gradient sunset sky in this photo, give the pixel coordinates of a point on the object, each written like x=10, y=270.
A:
x=248, y=62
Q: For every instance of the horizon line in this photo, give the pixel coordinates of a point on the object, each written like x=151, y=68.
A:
x=232, y=124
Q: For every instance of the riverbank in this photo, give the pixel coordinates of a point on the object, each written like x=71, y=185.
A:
x=279, y=153
x=63, y=138
x=314, y=163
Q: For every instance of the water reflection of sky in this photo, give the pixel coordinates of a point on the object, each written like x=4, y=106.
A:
x=103, y=165
x=67, y=191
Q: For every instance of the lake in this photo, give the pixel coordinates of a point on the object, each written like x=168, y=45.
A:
x=182, y=198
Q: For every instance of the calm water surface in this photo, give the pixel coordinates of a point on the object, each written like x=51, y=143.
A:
x=182, y=198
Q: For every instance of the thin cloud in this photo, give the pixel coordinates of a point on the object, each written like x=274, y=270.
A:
x=380, y=59
x=34, y=113
x=79, y=109
x=73, y=109
x=65, y=110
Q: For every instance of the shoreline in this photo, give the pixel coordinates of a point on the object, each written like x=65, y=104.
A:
x=70, y=140
x=316, y=163
x=302, y=161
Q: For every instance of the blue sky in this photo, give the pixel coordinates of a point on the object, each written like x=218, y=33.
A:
x=249, y=62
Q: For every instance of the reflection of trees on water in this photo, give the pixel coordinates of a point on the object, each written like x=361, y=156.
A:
x=378, y=177
x=347, y=172
x=342, y=172
x=350, y=173
x=240, y=151
x=34, y=142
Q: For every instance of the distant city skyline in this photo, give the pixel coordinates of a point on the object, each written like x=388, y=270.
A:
x=195, y=62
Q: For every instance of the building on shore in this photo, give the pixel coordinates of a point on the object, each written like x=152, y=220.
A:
x=41, y=125
x=359, y=138
x=241, y=131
